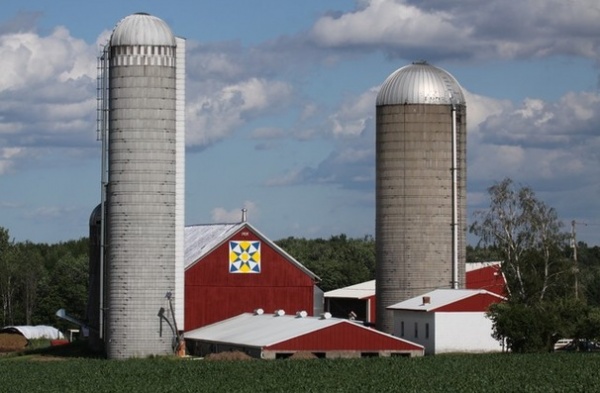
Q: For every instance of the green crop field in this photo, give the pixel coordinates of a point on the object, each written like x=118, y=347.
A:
x=554, y=372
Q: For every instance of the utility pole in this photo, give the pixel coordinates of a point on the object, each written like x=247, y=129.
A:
x=574, y=247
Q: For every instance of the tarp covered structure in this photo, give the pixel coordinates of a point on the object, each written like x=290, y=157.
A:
x=34, y=332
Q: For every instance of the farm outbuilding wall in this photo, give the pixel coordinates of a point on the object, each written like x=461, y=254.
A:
x=447, y=332
x=445, y=321
x=215, y=289
x=272, y=336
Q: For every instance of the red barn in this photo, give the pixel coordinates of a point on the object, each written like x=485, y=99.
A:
x=360, y=298
x=276, y=336
x=232, y=268
x=486, y=275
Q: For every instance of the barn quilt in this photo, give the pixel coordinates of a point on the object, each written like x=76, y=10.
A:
x=244, y=256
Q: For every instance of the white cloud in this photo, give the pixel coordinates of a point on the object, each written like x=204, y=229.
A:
x=386, y=22
x=28, y=58
x=47, y=94
x=8, y=155
x=479, y=108
x=490, y=29
x=539, y=142
x=215, y=115
x=354, y=115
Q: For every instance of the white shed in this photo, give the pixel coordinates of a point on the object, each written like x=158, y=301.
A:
x=448, y=320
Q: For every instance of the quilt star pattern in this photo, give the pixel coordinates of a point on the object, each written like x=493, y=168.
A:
x=244, y=256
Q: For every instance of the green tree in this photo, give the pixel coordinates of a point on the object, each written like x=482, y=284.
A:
x=8, y=278
x=339, y=261
x=539, y=278
x=65, y=287
x=528, y=236
x=31, y=266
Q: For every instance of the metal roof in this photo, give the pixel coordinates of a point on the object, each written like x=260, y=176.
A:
x=202, y=239
x=199, y=240
x=264, y=330
x=420, y=83
x=357, y=291
x=439, y=298
x=471, y=266
x=142, y=29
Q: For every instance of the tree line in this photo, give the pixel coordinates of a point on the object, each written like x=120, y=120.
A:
x=549, y=294
x=37, y=279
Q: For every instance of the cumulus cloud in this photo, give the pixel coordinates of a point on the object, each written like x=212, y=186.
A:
x=215, y=115
x=467, y=29
x=354, y=115
x=384, y=22
x=47, y=93
x=28, y=58
x=541, y=143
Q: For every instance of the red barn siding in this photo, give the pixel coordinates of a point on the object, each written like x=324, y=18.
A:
x=344, y=336
x=213, y=294
x=489, y=278
x=205, y=305
x=476, y=303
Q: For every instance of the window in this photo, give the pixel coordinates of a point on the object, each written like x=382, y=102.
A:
x=426, y=330
x=416, y=330
x=401, y=328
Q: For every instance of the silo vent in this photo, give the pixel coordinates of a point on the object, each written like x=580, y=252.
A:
x=279, y=313
x=325, y=315
x=426, y=299
x=259, y=311
x=244, y=214
x=301, y=314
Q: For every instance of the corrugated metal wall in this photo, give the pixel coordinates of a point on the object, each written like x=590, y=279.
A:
x=140, y=202
x=414, y=202
x=344, y=337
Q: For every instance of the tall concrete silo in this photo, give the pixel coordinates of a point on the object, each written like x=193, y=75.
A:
x=143, y=207
x=420, y=186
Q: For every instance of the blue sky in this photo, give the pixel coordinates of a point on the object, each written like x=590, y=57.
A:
x=281, y=101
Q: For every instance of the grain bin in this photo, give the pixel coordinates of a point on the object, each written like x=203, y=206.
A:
x=420, y=186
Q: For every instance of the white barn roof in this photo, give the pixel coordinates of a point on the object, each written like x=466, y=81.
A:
x=263, y=330
x=357, y=291
x=439, y=298
x=260, y=330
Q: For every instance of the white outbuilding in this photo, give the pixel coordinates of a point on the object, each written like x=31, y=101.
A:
x=448, y=320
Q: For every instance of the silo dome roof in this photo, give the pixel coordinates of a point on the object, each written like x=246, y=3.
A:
x=142, y=29
x=420, y=83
